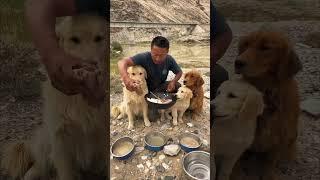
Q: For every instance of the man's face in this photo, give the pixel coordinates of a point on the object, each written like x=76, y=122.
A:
x=158, y=54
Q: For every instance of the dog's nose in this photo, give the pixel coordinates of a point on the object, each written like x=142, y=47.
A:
x=238, y=64
x=184, y=82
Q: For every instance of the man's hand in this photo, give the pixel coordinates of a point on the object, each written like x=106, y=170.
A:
x=131, y=84
x=171, y=86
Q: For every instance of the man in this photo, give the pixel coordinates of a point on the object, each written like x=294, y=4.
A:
x=41, y=19
x=221, y=37
x=157, y=64
x=220, y=40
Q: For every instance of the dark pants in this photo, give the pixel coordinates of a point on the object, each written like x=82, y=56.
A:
x=218, y=76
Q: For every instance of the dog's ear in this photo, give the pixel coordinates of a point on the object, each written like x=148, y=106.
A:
x=290, y=66
x=200, y=81
x=145, y=74
x=252, y=106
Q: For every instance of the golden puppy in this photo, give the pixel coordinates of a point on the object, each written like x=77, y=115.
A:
x=72, y=139
x=184, y=96
x=133, y=102
x=194, y=81
x=236, y=109
x=267, y=60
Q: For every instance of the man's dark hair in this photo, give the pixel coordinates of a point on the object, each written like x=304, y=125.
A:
x=160, y=41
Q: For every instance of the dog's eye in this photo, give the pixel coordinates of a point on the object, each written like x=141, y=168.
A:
x=97, y=39
x=133, y=74
x=75, y=40
x=140, y=73
x=230, y=95
x=181, y=91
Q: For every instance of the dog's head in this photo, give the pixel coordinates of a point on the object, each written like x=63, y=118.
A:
x=237, y=98
x=84, y=36
x=193, y=79
x=266, y=54
x=184, y=93
x=137, y=73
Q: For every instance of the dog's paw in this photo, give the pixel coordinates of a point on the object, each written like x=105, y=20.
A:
x=130, y=127
x=175, y=123
x=147, y=124
x=180, y=120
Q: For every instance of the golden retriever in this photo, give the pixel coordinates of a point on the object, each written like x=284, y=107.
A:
x=267, y=60
x=184, y=96
x=134, y=102
x=71, y=142
x=194, y=81
x=236, y=108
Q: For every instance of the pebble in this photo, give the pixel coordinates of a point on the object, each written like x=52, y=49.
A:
x=190, y=125
x=169, y=177
x=114, y=133
x=139, y=149
x=140, y=166
x=196, y=131
x=148, y=163
x=120, y=123
x=171, y=150
x=205, y=142
x=116, y=168
x=165, y=166
x=144, y=157
x=162, y=157
x=160, y=169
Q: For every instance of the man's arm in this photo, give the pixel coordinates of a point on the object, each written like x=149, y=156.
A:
x=177, y=77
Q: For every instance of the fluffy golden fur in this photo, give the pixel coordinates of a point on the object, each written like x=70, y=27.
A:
x=184, y=96
x=194, y=81
x=267, y=60
x=71, y=140
x=236, y=109
x=133, y=102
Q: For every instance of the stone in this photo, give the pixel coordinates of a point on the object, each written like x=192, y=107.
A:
x=144, y=157
x=148, y=163
x=311, y=106
x=138, y=149
x=207, y=94
x=205, y=142
x=166, y=166
x=169, y=177
x=162, y=157
x=160, y=169
x=171, y=149
x=140, y=166
x=190, y=125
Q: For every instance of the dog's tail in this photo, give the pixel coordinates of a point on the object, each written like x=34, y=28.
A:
x=115, y=111
x=17, y=159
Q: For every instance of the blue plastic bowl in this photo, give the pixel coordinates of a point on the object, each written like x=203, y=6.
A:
x=188, y=148
x=120, y=142
x=149, y=139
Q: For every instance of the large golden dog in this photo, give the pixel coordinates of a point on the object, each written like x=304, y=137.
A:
x=72, y=140
x=267, y=60
x=133, y=102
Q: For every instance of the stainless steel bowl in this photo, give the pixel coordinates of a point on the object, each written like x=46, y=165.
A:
x=196, y=165
x=119, y=142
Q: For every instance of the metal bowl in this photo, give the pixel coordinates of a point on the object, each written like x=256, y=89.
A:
x=196, y=165
x=155, y=141
x=162, y=95
x=193, y=138
x=123, y=142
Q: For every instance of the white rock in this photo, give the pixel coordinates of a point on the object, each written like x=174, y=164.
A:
x=171, y=149
x=165, y=166
x=189, y=124
x=144, y=157
x=120, y=123
x=140, y=166
x=139, y=149
x=162, y=157
x=116, y=168
x=148, y=163
x=146, y=171
x=207, y=94
x=205, y=142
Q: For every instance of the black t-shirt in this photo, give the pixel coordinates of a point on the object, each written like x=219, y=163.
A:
x=157, y=73
x=93, y=6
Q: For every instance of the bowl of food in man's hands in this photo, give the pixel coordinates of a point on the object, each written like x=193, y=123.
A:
x=160, y=100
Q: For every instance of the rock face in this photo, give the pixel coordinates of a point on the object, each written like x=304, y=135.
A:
x=171, y=150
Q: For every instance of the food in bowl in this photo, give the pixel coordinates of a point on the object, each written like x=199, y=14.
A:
x=159, y=101
x=123, y=148
x=190, y=142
